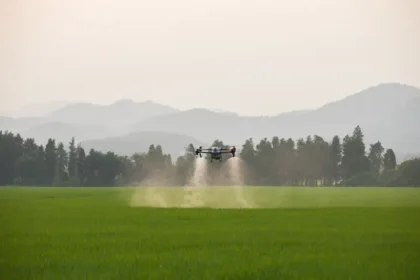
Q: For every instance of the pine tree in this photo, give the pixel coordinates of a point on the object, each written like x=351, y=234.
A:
x=62, y=163
x=335, y=155
x=72, y=166
x=375, y=157
x=50, y=161
x=354, y=160
x=390, y=162
x=81, y=164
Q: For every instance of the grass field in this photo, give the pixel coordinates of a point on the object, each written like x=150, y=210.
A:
x=291, y=233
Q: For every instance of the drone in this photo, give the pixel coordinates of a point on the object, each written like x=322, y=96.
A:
x=215, y=152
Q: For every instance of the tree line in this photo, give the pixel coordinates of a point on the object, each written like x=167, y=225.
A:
x=303, y=162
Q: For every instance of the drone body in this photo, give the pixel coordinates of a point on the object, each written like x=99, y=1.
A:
x=216, y=152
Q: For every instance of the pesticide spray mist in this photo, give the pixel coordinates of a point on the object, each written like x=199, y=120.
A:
x=149, y=194
x=197, y=193
x=151, y=191
x=236, y=169
x=231, y=192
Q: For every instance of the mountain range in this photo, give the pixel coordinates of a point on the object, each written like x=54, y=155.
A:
x=386, y=112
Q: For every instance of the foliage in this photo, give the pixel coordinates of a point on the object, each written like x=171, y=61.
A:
x=390, y=162
x=409, y=174
x=312, y=161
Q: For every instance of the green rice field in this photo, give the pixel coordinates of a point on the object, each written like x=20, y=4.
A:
x=217, y=233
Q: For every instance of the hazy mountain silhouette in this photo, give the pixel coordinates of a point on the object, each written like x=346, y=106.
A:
x=387, y=112
x=172, y=143
x=63, y=132
x=85, y=120
x=36, y=109
x=122, y=112
x=18, y=125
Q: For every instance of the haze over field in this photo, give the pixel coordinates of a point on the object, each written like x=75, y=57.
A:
x=137, y=72
x=104, y=104
x=387, y=112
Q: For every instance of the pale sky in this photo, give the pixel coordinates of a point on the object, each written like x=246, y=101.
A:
x=250, y=57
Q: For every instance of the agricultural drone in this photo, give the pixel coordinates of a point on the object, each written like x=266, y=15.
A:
x=216, y=152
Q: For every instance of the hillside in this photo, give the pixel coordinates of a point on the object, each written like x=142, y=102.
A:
x=123, y=112
x=385, y=112
x=388, y=112
x=19, y=125
x=85, y=120
x=38, y=109
x=172, y=143
x=63, y=132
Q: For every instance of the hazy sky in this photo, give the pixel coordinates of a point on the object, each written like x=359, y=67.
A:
x=251, y=57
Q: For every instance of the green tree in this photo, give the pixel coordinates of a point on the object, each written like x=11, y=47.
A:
x=376, y=157
x=389, y=160
x=127, y=169
x=139, y=172
x=10, y=151
x=300, y=164
x=50, y=161
x=311, y=161
x=72, y=165
x=81, y=171
x=41, y=166
x=335, y=154
x=289, y=162
x=264, y=165
x=26, y=164
x=280, y=166
x=354, y=160
x=248, y=154
x=110, y=169
x=409, y=173
x=62, y=165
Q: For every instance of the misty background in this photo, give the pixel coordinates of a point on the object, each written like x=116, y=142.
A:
x=179, y=72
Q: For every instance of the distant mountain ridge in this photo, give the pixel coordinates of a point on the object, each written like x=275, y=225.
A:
x=381, y=111
x=386, y=112
x=63, y=132
x=124, y=111
x=36, y=110
x=85, y=121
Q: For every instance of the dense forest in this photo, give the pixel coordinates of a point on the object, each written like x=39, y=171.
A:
x=303, y=162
